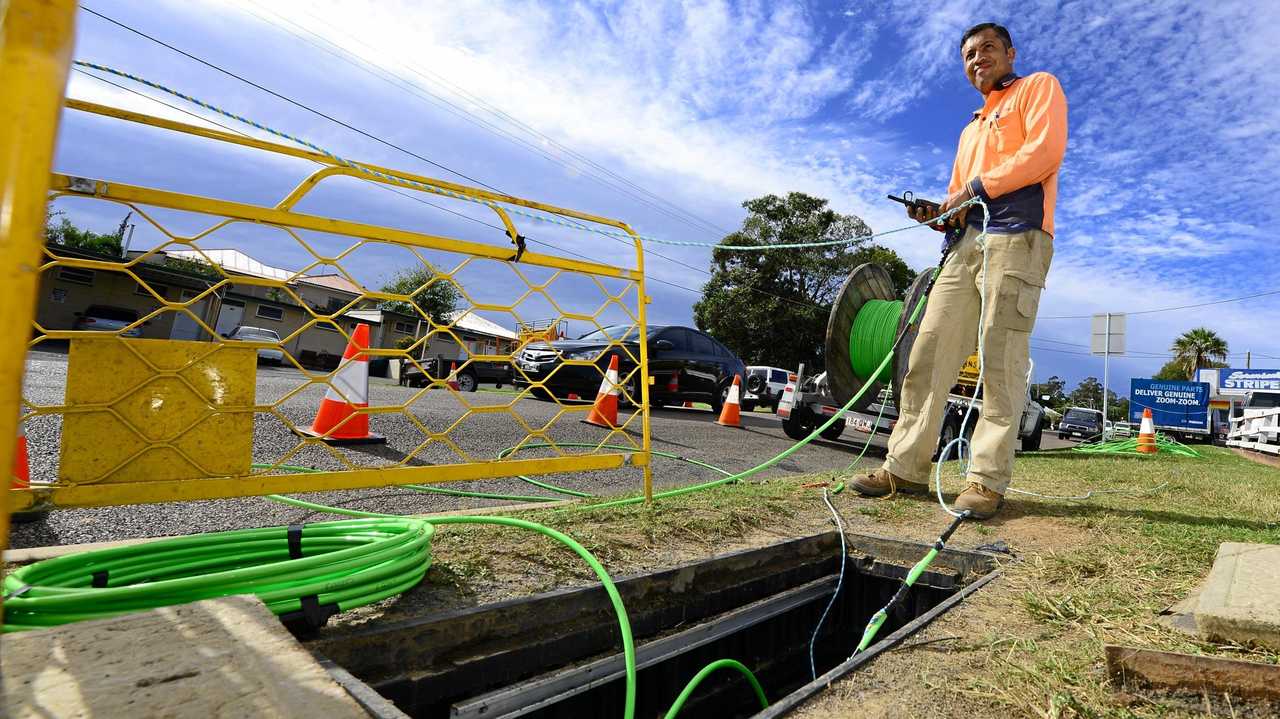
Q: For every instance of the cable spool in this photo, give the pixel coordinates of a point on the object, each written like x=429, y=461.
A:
x=867, y=283
x=903, y=354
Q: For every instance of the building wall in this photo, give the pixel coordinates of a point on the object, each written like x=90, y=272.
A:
x=61, y=298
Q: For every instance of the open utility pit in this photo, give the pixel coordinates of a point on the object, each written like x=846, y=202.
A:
x=559, y=654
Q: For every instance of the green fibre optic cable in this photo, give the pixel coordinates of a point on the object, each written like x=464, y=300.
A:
x=878, y=619
x=705, y=672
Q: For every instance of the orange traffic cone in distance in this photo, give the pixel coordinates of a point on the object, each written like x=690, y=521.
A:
x=338, y=421
x=604, y=413
x=21, y=463
x=673, y=386
x=1147, y=434
x=730, y=414
x=453, y=377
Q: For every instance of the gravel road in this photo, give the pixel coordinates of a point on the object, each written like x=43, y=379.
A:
x=688, y=432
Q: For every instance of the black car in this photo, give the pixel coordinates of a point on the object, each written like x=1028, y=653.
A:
x=470, y=376
x=1080, y=422
x=702, y=367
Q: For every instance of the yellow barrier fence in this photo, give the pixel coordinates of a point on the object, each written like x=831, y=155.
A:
x=150, y=373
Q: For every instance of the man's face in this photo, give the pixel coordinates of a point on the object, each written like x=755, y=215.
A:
x=986, y=59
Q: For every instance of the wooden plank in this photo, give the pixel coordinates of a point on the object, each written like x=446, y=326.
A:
x=1193, y=673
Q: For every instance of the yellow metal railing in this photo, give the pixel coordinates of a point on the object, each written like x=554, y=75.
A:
x=162, y=419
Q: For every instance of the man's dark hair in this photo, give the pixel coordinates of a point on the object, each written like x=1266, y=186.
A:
x=1001, y=30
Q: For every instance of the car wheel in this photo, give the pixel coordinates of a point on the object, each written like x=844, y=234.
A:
x=719, y=398
x=950, y=430
x=833, y=432
x=467, y=382
x=1031, y=442
x=795, y=427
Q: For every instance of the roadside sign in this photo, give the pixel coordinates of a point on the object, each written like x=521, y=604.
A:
x=1182, y=405
x=1107, y=336
x=1243, y=381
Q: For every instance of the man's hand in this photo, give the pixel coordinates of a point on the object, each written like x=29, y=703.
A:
x=954, y=200
x=925, y=213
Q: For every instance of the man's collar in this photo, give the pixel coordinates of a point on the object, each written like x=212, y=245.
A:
x=1001, y=84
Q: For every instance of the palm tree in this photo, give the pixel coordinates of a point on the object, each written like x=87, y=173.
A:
x=1200, y=347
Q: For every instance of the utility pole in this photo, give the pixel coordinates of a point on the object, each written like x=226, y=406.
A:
x=1248, y=356
x=1106, y=374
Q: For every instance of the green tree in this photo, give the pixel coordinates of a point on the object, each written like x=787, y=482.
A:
x=437, y=301
x=1117, y=407
x=60, y=231
x=1087, y=394
x=1171, y=371
x=1055, y=388
x=770, y=307
x=1196, y=348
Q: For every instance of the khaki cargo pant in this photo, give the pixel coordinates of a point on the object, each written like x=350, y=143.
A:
x=1017, y=265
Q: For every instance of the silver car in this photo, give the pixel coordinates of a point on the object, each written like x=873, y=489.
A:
x=272, y=355
x=105, y=318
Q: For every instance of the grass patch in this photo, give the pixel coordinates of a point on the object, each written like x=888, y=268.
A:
x=1088, y=572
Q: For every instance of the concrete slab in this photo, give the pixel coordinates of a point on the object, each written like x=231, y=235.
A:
x=227, y=657
x=1241, y=597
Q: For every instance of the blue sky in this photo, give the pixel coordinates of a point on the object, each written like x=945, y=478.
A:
x=1164, y=197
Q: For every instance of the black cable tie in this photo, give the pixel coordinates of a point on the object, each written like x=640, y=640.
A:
x=518, y=241
x=295, y=541
x=18, y=592
x=311, y=616
x=99, y=579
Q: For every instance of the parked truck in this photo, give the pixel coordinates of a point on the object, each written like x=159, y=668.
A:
x=1179, y=409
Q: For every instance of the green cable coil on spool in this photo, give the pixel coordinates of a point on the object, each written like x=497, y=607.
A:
x=871, y=338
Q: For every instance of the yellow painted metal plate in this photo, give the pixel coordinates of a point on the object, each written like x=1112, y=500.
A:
x=150, y=410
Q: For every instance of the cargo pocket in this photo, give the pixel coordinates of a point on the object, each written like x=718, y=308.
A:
x=1019, y=299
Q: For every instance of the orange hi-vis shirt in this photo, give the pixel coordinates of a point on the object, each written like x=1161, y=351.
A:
x=1010, y=152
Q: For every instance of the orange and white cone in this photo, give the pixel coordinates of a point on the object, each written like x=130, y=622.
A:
x=21, y=464
x=338, y=421
x=1147, y=434
x=453, y=377
x=673, y=386
x=730, y=414
x=604, y=413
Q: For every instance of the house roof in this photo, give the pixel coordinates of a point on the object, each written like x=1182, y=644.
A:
x=235, y=261
x=333, y=282
x=469, y=320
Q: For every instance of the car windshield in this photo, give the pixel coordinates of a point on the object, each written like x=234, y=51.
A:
x=1080, y=415
x=118, y=314
x=615, y=332
x=256, y=335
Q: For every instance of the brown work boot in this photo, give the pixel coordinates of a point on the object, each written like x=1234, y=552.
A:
x=981, y=502
x=881, y=482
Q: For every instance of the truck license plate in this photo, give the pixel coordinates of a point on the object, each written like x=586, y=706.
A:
x=861, y=425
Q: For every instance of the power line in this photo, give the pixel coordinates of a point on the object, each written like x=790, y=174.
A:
x=1171, y=309
x=683, y=215
x=289, y=100
x=400, y=192
x=251, y=83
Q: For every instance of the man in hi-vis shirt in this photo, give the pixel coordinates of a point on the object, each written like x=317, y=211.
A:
x=1009, y=155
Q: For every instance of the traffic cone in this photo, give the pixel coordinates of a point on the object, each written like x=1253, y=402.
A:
x=604, y=413
x=453, y=377
x=673, y=387
x=730, y=414
x=352, y=377
x=1147, y=434
x=21, y=465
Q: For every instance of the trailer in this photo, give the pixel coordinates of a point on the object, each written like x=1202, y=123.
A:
x=1179, y=409
x=807, y=402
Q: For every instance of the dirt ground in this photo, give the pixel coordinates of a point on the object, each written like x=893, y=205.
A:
x=1082, y=574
